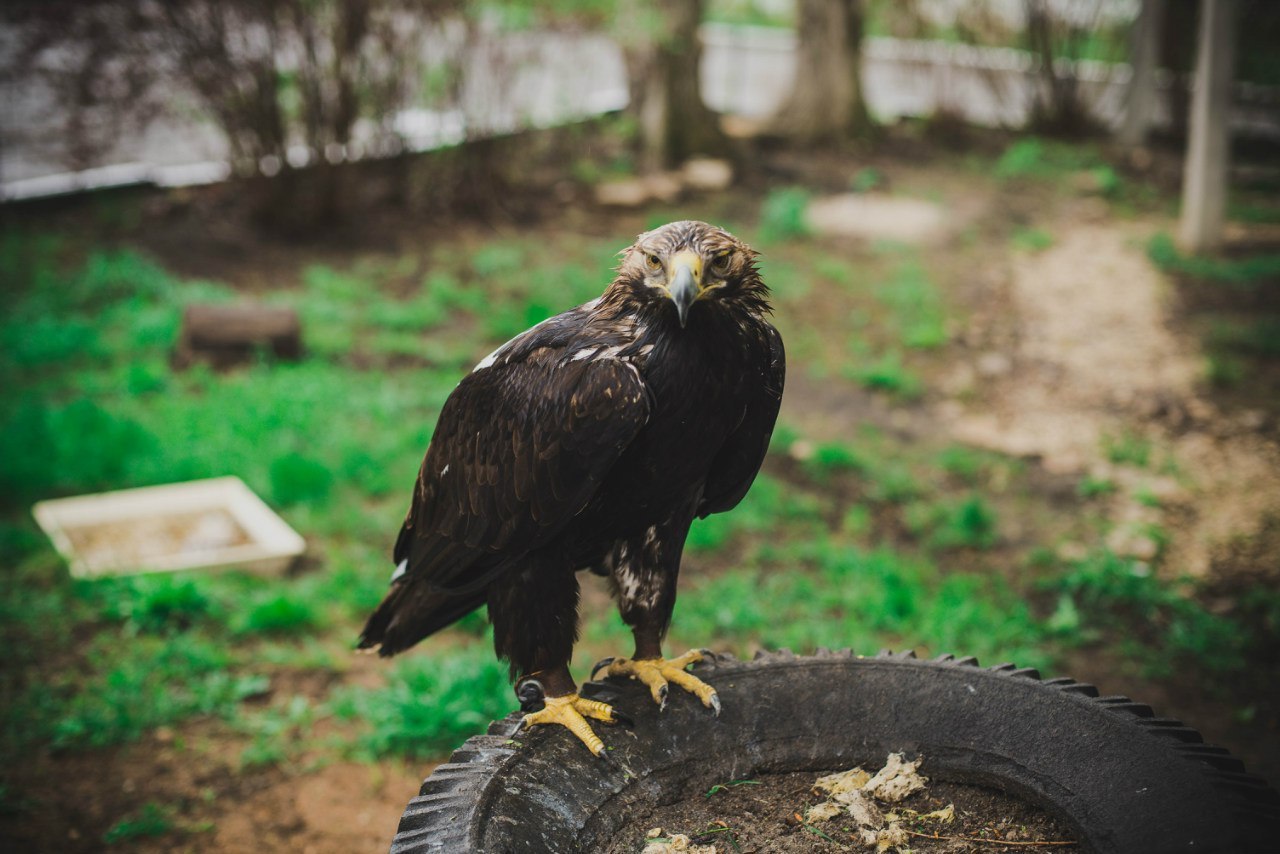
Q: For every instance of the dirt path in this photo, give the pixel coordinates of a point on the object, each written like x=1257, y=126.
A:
x=1096, y=382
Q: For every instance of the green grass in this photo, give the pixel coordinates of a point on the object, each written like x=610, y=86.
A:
x=279, y=614
x=1112, y=590
x=1128, y=449
x=887, y=373
x=135, y=687
x=296, y=479
x=152, y=820
x=808, y=594
x=915, y=306
x=769, y=508
x=967, y=523
x=750, y=13
x=966, y=465
x=855, y=545
x=783, y=215
x=1031, y=240
x=1224, y=371
x=1253, y=212
x=430, y=703
x=1095, y=487
x=1245, y=271
x=1254, y=337
x=154, y=604
x=892, y=481
x=830, y=459
x=866, y=179
x=279, y=733
x=1032, y=157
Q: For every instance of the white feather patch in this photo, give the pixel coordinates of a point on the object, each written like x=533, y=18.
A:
x=401, y=568
x=489, y=360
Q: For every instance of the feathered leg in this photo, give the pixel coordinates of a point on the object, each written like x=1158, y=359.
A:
x=645, y=571
x=534, y=612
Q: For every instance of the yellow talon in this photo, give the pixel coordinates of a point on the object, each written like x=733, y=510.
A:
x=571, y=712
x=657, y=672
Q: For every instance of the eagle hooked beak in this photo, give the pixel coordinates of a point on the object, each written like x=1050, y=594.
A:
x=686, y=282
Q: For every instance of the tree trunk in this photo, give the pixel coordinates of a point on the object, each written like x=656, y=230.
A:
x=1141, y=98
x=1177, y=53
x=666, y=97
x=826, y=104
x=1204, y=176
x=1058, y=107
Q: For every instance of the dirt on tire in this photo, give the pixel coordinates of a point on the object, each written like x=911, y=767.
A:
x=767, y=814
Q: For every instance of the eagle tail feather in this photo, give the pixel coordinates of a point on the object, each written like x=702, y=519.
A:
x=410, y=612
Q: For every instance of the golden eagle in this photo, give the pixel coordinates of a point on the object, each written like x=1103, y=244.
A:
x=592, y=441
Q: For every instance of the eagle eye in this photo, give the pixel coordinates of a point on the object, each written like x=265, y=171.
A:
x=654, y=261
x=720, y=263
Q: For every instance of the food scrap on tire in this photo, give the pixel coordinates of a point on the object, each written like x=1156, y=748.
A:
x=851, y=793
x=657, y=843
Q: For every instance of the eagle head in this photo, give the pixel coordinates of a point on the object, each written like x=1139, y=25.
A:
x=688, y=264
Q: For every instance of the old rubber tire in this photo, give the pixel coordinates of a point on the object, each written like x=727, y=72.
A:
x=1125, y=780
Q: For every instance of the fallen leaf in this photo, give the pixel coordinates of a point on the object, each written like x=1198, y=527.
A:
x=861, y=809
x=892, y=836
x=824, y=811
x=845, y=781
x=896, y=779
x=945, y=814
x=676, y=843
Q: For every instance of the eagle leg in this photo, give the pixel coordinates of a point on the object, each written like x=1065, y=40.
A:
x=644, y=570
x=657, y=672
x=567, y=710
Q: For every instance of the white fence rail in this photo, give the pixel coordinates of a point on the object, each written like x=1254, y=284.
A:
x=541, y=79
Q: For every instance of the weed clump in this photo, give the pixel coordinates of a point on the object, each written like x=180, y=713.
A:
x=152, y=820
x=296, y=479
x=279, y=614
x=1231, y=271
x=784, y=215
x=429, y=704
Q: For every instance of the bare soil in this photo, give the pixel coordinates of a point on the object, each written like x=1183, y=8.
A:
x=74, y=798
x=767, y=814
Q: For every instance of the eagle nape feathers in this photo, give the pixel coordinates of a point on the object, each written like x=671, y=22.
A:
x=591, y=442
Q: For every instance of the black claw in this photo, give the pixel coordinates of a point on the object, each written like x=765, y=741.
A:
x=620, y=718
x=715, y=704
x=600, y=665
x=662, y=699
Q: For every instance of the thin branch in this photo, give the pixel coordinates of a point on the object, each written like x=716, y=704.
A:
x=989, y=841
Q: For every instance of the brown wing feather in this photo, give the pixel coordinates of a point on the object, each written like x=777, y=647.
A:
x=518, y=451
x=739, y=459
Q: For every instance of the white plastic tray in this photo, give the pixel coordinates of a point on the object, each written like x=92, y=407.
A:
x=263, y=542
